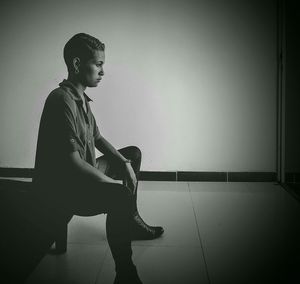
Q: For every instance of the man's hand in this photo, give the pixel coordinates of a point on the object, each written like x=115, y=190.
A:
x=130, y=178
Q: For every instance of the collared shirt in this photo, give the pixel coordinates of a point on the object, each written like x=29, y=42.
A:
x=65, y=127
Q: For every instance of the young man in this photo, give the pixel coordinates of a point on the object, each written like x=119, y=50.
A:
x=66, y=171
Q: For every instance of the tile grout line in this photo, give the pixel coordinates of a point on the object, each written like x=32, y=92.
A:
x=199, y=235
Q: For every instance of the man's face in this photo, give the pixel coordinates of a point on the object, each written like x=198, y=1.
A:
x=92, y=70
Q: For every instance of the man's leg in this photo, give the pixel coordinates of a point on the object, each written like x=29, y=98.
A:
x=113, y=169
x=140, y=230
x=115, y=200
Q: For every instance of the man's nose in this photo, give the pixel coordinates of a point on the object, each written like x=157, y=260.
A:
x=101, y=73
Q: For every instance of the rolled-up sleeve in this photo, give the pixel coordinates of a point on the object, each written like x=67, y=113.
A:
x=68, y=136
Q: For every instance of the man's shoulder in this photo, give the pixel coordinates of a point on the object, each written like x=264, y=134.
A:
x=60, y=96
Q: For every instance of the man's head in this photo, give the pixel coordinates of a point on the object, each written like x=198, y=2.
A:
x=84, y=57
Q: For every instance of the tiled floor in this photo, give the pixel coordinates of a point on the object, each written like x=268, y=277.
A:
x=214, y=233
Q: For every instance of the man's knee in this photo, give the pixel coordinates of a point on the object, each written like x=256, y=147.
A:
x=136, y=153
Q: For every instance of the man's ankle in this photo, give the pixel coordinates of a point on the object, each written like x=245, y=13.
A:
x=125, y=275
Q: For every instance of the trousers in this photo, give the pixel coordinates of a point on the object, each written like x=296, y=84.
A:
x=116, y=200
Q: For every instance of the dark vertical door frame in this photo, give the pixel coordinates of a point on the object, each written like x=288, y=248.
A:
x=281, y=84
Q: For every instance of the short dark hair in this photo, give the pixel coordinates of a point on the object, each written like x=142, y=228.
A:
x=82, y=46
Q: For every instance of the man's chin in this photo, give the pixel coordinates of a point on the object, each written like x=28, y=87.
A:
x=93, y=85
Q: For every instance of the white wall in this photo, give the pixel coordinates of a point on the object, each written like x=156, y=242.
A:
x=192, y=83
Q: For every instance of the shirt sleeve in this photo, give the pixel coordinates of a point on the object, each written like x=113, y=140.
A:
x=63, y=126
x=96, y=132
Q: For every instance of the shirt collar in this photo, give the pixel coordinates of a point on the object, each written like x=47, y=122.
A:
x=71, y=89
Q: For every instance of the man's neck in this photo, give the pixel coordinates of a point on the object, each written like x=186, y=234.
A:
x=79, y=87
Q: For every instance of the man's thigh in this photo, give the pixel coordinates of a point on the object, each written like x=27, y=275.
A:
x=96, y=198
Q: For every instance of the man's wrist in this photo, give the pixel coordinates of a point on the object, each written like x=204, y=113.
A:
x=126, y=162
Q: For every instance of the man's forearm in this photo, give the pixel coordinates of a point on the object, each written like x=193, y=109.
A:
x=106, y=148
x=88, y=171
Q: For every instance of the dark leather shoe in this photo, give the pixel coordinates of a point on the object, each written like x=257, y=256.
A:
x=141, y=231
x=127, y=276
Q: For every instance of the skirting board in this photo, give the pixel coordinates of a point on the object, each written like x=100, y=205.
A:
x=210, y=176
x=172, y=176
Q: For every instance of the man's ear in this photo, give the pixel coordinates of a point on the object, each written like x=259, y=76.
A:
x=76, y=64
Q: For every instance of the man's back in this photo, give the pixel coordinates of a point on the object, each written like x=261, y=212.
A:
x=65, y=127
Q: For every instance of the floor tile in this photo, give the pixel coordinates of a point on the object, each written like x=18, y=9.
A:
x=87, y=230
x=246, y=234
x=218, y=187
x=161, y=265
x=267, y=187
x=173, y=211
x=80, y=265
x=172, y=186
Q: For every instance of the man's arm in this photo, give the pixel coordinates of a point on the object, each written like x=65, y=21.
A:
x=107, y=149
x=83, y=168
